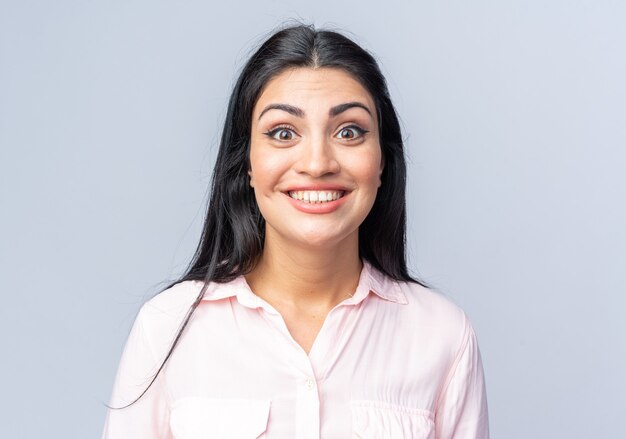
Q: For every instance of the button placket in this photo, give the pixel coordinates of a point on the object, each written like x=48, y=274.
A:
x=308, y=408
x=309, y=384
x=307, y=395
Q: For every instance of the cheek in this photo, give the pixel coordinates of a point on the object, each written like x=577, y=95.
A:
x=368, y=168
x=266, y=168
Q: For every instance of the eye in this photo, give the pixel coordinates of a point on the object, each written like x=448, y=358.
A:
x=284, y=134
x=351, y=132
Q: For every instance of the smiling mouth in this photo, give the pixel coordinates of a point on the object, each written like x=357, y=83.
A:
x=316, y=197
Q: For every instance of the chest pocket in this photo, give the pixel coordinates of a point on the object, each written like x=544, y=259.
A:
x=379, y=420
x=207, y=418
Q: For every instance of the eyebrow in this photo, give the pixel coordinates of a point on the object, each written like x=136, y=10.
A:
x=298, y=112
x=338, y=109
x=284, y=107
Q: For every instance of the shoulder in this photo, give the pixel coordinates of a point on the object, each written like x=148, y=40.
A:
x=175, y=300
x=430, y=302
x=161, y=316
x=433, y=313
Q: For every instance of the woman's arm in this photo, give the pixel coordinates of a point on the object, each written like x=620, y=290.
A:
x=148, y=418
x=462, y=407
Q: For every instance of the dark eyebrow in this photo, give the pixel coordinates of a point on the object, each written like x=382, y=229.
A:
x=334, y=111
x=338, y=109
x=284, y=107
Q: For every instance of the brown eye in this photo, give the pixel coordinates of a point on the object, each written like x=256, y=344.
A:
x=347, y=133
x=283, y=134
x=351, y=132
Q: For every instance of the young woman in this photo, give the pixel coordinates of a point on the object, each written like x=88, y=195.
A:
x=297, y=317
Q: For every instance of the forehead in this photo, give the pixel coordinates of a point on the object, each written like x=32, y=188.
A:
x=319, y=87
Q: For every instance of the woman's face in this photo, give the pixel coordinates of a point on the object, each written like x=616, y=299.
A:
x=315, y=156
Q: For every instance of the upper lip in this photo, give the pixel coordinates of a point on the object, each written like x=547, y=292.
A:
x=317, y=187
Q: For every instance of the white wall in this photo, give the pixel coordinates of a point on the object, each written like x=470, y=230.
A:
x=514, y=114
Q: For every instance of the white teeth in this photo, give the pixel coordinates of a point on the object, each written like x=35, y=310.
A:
x=316, y=196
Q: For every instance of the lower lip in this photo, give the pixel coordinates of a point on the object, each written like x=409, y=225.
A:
x=325, y=207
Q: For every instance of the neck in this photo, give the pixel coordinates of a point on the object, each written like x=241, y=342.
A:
x=304, y=277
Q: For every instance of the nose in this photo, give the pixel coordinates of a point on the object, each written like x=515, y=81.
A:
x=317, y=158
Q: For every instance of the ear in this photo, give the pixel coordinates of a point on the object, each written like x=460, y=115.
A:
x=380, y=170
x=250, y=175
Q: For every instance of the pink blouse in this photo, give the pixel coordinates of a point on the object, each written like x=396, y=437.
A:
x=396, y=360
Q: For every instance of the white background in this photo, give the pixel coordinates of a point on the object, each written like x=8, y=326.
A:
x=514, y=114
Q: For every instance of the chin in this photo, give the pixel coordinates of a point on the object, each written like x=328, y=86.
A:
x=321, y=241
x=313, y=235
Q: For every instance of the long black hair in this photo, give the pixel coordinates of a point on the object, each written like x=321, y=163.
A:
x=234, y=230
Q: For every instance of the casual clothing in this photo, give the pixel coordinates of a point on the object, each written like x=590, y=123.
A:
x=396, y=360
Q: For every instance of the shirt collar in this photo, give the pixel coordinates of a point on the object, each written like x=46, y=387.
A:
x=370, y=280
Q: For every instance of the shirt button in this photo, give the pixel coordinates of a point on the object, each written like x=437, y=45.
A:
x=309, y=383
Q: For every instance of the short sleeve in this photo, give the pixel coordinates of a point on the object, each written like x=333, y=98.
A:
x=462, y=408
x=148, y=418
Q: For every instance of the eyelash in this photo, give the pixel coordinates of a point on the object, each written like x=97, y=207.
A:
x=360, y=132
x=271, y=133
